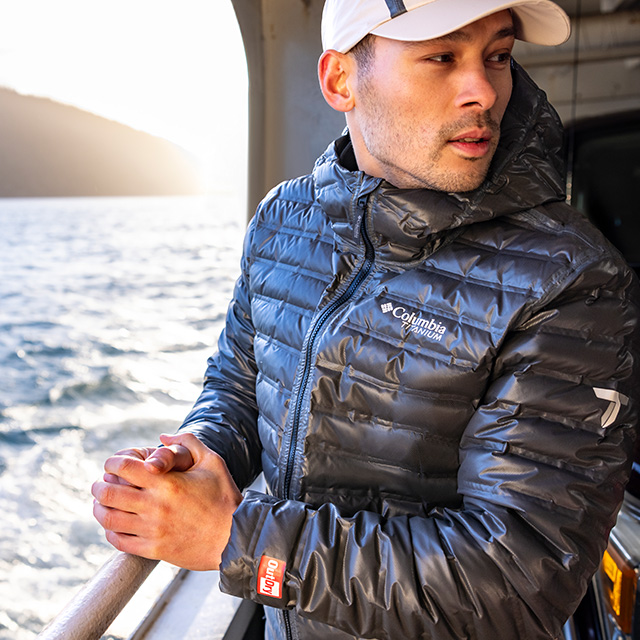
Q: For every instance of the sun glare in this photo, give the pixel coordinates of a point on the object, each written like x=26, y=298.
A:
x=175, y=70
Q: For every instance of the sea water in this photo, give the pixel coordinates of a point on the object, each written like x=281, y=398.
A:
x=109, y=308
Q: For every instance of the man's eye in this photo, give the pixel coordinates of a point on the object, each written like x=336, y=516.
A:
x=501, y=58
x=443, y=57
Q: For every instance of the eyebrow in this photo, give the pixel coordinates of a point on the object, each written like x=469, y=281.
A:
x=464, y=36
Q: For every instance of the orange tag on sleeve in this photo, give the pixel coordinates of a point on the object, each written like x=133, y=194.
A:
x=270, y=577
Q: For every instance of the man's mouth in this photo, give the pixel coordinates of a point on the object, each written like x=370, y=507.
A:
x=472, y=144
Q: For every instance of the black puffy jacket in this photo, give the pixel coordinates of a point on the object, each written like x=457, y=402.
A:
x=442, y=392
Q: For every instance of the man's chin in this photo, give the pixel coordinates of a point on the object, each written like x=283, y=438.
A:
x=455, y=182
x=458, y=177
x=468, y=186
x=468, y=179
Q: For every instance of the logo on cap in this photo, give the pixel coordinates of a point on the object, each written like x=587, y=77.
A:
x=396, y=7
x=270, y=577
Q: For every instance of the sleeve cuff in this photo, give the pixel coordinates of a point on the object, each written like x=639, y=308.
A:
x=258, y=563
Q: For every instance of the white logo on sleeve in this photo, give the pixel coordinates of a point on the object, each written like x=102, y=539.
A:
x=616, y=401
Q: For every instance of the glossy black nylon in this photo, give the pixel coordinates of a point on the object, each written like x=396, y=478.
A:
x=448, y=436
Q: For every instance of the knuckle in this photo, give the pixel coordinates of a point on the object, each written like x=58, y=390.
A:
x=107, y=494
x=127, y=463
x=97, y=490
x=133, y=452
x=188, y=440
x=156, y=526
x=217, y=462
x=97, y=512
x=166, y=454
x=114, y=540
x=118, y=464
x=125, y=452
x=109, y=519
x=153, y=550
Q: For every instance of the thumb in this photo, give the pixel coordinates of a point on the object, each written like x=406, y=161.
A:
x=190, y=447
x=207, y=460
x=171, y=457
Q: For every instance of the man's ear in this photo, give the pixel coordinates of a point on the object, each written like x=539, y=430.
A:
x=336, y=72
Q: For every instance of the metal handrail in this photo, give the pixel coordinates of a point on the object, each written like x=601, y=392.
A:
x=89, y=614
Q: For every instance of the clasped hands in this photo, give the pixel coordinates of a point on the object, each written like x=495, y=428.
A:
x=174, y=503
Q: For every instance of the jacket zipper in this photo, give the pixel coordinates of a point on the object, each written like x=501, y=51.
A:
x=287, y=624
x=318, y=324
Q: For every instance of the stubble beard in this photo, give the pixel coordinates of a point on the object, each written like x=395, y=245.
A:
x=390, y=147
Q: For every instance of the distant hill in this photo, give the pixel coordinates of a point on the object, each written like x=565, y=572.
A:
x=52, y=149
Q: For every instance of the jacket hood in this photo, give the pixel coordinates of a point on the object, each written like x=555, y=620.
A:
x=526, y=171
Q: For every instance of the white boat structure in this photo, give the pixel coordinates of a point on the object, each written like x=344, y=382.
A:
x=190, y=607
x=595, y=74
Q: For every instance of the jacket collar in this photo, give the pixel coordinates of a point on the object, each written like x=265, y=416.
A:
x=404, y=224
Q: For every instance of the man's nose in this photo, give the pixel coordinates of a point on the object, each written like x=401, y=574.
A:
x=475, y=89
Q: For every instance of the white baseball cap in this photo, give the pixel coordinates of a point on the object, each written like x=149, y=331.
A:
x=346, y=22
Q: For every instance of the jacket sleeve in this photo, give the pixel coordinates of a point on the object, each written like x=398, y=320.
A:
x=225, y=415
x=543, y=465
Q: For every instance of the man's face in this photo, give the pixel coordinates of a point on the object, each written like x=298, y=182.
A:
x=427, y=114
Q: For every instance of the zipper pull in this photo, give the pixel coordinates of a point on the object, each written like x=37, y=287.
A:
x=359, y=218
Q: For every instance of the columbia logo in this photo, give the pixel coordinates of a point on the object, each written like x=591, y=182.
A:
x=430, y=328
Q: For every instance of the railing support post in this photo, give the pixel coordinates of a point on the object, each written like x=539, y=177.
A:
x=98, y=603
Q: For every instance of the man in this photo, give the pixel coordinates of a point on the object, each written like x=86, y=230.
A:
x=429, y=355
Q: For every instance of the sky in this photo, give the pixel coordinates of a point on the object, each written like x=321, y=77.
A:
x=172, y=68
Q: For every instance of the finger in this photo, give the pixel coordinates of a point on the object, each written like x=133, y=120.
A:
x=117, y=496
x=131, y=469
x=142, y=453
x=113, y=479
x=198, y=450
x=139, y=453
x=116, y=520
x=170, y=458
x=134, y=545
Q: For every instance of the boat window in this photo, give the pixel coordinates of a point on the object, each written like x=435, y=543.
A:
x=606, y=187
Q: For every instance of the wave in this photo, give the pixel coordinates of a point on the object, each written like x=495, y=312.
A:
x=184, y=348
x=16, y=437
x=210, y=321
x=108, y=387
x=33, y=324
x=112, y=350
x=106, y=309
x=43, y=350
x=25, y=437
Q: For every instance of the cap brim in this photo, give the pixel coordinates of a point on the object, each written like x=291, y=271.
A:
x=536, y=21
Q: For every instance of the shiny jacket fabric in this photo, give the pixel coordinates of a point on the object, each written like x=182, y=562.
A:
x=441, y=390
